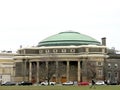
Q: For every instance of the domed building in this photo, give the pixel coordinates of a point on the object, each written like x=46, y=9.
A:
x=67, y=39
x=66, y=56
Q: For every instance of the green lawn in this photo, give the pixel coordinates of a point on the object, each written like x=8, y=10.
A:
x=116, y=87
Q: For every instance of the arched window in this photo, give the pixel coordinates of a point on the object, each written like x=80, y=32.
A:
x=55, y=50
x=63, y=50
x=109, y=65
x=72, y=50
x=47, y=51
x=40, y=51
x=116, y=65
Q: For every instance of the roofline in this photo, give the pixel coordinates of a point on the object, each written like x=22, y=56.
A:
x=71, y=46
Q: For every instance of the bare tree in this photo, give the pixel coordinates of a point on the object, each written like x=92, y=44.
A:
x=51, y=70
x=47, y=72
x=61, y=70
x=91, y=69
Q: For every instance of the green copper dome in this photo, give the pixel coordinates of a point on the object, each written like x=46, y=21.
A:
x=68, y=38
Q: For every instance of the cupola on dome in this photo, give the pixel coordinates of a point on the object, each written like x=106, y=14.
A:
x=68, y=38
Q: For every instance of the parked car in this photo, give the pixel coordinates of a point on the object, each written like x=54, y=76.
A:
x=83, y=83
x=46, y=83
x=24, y=83
x=113, y=83
x=100, y=82
x=68, y=83
x=8, y=84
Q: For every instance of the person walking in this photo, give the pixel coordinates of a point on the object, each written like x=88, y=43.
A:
x=92, y=83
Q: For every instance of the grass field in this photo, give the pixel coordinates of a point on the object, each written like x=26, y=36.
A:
x=116, y=87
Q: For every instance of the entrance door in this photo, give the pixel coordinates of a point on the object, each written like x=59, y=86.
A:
x=63, y=79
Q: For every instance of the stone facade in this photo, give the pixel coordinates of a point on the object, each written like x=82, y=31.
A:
x=113, y=69
x=76, y=62
x=67, y=56
x=7, y=72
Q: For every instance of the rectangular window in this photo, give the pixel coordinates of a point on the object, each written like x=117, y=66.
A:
x=116, y=75
x=81, y=50
x=100, y=72
x=95, y=49
x=99, y=63
x=109, y=75
x=31, y=51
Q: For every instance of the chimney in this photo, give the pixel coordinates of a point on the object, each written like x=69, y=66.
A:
x=20, y=46
x=104, y=41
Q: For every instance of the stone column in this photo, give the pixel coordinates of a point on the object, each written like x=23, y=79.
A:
x=46, y=69
x=30, y=71
x=79, y=71
x=57, y=71
x=37, y=71
x=68, y=67
x=24, y=69
x=87, y=50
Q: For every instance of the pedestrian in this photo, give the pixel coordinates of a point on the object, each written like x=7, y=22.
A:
x=105, y=82
x=92, y=83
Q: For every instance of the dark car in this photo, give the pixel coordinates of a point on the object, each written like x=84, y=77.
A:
x=113, y=83
x=25, y=83
x=83, y=83
x=8, y=84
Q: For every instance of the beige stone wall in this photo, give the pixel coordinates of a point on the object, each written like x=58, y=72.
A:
x=66, y=54
x=7, y=66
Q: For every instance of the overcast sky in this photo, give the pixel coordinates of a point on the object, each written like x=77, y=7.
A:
x=27, y=22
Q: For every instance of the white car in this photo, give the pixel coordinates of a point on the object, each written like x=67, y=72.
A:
x=100, y=82
x=67, y=83
x=46, y=83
